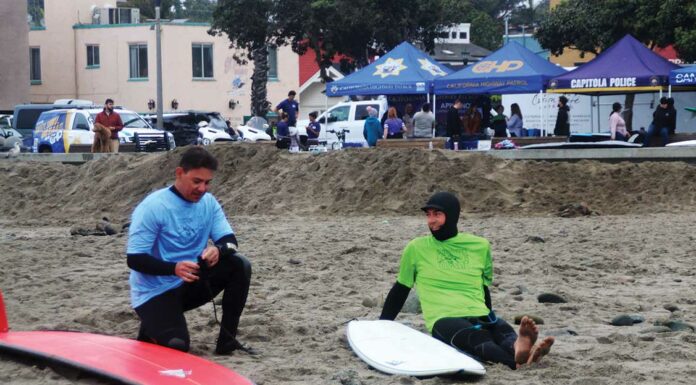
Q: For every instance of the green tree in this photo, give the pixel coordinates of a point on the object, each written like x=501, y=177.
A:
x=252, y=27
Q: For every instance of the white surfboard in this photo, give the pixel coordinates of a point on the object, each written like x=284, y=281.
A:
x=395, y=348
x=685, y=143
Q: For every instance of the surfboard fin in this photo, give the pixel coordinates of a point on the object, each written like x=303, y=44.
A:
x=4, y=326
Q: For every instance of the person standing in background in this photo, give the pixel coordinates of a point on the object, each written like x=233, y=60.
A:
x=562, y=127
x=617, y=125
x=290, y=107
x=423, y=122
x=111, y=120
x=515, y=124
x=408, y=119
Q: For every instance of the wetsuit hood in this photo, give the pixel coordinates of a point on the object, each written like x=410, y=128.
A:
x=448, y=204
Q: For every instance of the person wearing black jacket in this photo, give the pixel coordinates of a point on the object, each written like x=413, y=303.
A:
x=454, y=122
x=452, y=272
x=562, y=127
x=663, y=119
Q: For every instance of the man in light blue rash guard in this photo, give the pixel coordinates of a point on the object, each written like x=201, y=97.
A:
x=174, y=269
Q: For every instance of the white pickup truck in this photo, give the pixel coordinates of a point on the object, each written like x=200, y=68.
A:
x=349, y=115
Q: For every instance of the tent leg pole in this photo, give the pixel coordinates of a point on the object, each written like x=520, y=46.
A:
x=435, y=113
x=669, y=91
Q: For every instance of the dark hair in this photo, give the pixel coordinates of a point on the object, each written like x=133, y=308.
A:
x=670, y=101
x=292, y=93
x=515, y=109
x=426, y=107
x=283, y=116
x=457, y=101
x=616, y=107
x=109, y=100
x=563, y=100
x=313, y=114
x=197, y=157
x=663, y=100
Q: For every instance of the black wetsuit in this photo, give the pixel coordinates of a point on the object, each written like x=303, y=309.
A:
x=162, y=317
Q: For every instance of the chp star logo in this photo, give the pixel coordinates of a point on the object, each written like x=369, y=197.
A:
x=334, y=89
x=429, y=66
x=392, y=67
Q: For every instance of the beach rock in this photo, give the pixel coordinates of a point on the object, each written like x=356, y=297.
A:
x=671, y=307
x=293, y=261
x=535, y=239
x=647, y=338
x=412, y=304
x=550, y=298
x=679, y=326
x=369, y=302
x=626, y=320
x=537, y=320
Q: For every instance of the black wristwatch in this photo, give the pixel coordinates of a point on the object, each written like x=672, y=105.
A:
x=227, y=248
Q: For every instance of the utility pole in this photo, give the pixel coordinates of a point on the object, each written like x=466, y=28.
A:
x=158, y=39
x=507, y=35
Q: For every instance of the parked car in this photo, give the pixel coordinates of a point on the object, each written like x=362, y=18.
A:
x=187, y=128
x=56, y=130
x=26, y=115
x=255, y=129
x=8, y=135
x=349, y=115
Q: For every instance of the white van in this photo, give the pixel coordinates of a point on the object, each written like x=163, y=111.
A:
x=348, y=115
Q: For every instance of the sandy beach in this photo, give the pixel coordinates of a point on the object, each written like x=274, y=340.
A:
x=325, y=233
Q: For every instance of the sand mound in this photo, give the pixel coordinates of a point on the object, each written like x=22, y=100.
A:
x=257, y=179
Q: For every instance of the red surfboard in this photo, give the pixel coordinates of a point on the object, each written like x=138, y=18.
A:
x=123, y=360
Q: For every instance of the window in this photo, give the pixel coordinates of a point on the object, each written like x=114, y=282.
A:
x=80, y=122
x=339, y=114
x=35, y=12
x=443, y=35
x=92, y=56
x=202, y=63
x=273, y=63
x=35, y=65
x=138, y=61
x=462, y=35
x=361, y=111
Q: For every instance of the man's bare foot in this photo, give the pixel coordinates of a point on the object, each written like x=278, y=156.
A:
x=541, y=349
x=525, y=340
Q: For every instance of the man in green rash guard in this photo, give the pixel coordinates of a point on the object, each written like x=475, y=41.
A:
x=452, y=272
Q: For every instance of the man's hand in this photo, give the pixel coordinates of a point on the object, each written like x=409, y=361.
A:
x=211, y=254
x=187, y=270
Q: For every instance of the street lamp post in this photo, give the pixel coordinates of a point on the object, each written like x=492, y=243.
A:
x=158, y=44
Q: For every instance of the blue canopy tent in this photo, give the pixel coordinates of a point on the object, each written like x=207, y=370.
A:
x=513, y=69
x=403, y=70
x=626, y=67
x=685, y=76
